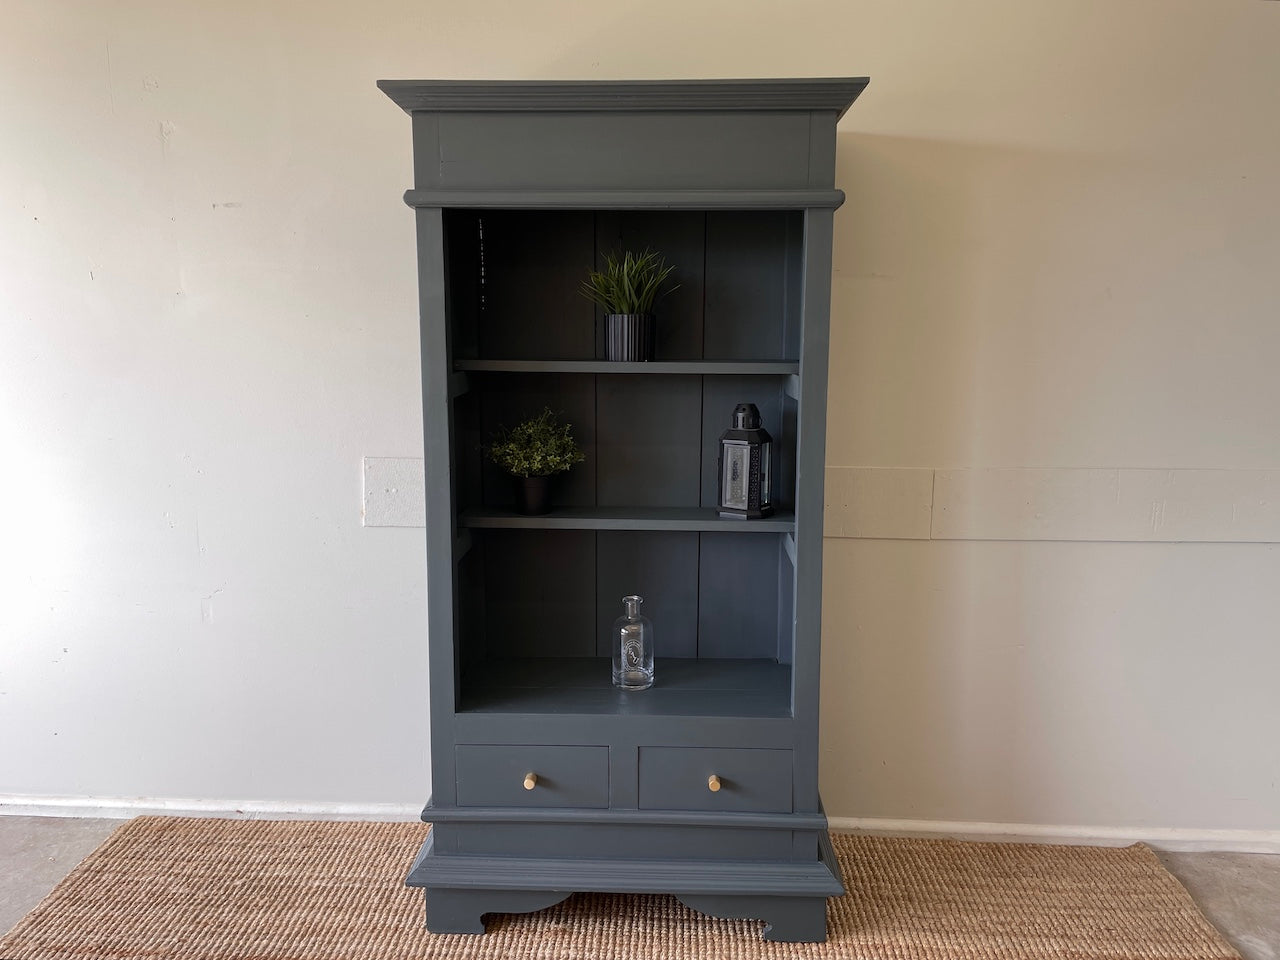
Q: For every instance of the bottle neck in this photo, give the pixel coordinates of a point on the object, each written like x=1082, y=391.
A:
x=631, y=606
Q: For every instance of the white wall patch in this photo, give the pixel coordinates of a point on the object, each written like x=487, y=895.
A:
x=394, y=492
x=1133, y=505
x=876, y=503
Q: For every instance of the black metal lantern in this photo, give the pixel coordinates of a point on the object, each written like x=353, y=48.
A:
x=746, y=466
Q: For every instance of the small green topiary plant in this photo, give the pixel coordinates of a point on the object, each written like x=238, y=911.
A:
x=538, y=447
x=629, y=283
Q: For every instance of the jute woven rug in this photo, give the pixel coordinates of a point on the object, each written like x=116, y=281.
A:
x=187, y=889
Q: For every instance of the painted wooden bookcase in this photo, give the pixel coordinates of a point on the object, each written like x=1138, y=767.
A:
x=546, y=779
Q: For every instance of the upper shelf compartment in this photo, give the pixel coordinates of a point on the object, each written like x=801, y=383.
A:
x=515, y=278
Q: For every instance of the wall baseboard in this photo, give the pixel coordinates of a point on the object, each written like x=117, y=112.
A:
x=1161, y=838
x=123, y=808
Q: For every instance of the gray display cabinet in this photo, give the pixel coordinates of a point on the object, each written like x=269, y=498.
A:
x=546, y=780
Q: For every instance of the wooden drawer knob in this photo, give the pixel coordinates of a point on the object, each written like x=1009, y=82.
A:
x=530, y=781
x=713, y=783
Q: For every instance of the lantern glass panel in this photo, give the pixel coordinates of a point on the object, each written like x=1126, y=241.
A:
x=766, y=475
x=736, y=482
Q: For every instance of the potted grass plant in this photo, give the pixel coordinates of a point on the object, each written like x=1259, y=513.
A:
x=626, y=288
x=534, y=452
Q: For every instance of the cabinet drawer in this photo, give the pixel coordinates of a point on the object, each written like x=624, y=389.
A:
x=677, y=778
x=495, y=776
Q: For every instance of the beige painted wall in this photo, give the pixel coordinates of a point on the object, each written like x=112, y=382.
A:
x=1058, y=252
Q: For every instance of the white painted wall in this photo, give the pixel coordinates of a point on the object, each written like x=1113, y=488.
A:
x=208, y=318
x=1058, y=253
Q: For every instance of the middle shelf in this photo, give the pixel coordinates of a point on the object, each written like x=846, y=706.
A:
x=694, y=519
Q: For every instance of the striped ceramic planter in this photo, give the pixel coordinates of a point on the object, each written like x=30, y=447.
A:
x=628, y=336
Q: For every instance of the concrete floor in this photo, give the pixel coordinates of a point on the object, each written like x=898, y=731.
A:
x=1239, y=892
x=37, y=852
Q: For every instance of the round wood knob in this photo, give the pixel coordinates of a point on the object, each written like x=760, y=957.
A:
x=713, y=783
x=530, y=781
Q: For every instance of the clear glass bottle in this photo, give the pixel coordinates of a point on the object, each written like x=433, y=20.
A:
x=632, y=647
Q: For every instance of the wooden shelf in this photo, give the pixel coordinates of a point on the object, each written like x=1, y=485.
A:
x=584, y=685
x=704, y=519
x=774, y=368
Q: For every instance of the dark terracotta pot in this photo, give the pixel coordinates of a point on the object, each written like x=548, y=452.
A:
x=628, y=336
x=533, y=495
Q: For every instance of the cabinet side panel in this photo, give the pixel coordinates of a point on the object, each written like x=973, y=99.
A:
x=810, y=472
x=786, y=604
x=438, y=444
x=794, y=284
x=468, y=450
x=784, y=480
x=462, y=250
x=471, y=607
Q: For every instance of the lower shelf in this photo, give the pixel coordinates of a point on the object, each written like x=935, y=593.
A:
x=583, y=685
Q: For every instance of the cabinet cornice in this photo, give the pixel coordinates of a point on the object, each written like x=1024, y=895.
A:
x=552, y=96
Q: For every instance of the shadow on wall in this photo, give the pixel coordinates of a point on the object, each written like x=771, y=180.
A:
x=907, y=303
x=902, y=290
x=997, y=306
x=944, y=253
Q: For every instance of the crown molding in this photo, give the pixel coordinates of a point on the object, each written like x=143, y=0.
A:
x=469, y=96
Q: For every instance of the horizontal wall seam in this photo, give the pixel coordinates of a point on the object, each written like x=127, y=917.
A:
x=1126, y=505
x=1115, y=505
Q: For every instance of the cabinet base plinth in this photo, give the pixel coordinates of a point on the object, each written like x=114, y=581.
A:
x=462, y=911
x=786, y=919
x=790, y=897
